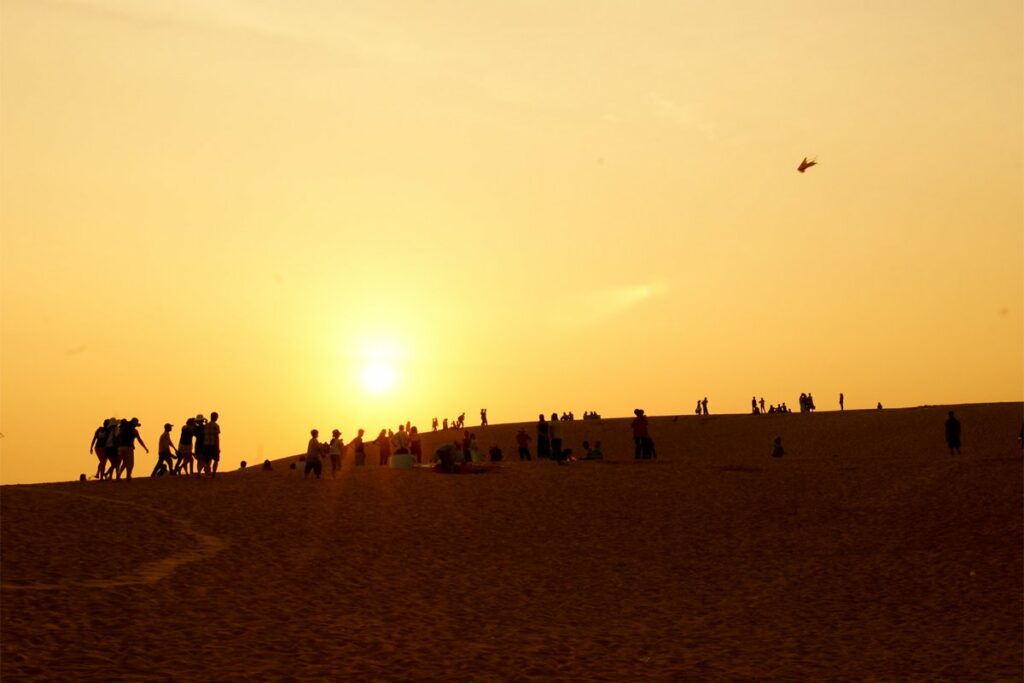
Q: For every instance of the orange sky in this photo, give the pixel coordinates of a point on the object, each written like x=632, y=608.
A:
x=533, y=206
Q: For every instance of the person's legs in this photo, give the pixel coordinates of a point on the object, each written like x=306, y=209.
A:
x=101, y=455
x=129, y=463
x=638, y=447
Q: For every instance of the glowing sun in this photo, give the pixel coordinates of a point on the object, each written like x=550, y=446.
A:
x=378, y=377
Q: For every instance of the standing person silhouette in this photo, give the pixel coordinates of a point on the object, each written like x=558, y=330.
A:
x=336, y=448
x=211, y=442
x=483, y=417
x=359, y=448
x=313, y=463
x=543, y=438
x=128, y=434
x=704, y=405
x=762, y=404
x=99, y=447
x=185, y=460
x=199, y=430
x=841, y=407
x=753, y=405
x=555, y=430
x=416, y=445
x=640, y=435
x=953, y=434
x=384, y=447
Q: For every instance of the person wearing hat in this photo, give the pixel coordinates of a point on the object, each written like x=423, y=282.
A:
x=640, y=435
x=337, y=446
x=127, y=435
x=164, y=458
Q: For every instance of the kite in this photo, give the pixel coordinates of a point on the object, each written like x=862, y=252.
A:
x=804, y=165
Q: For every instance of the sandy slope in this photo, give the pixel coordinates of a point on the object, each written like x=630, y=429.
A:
x=868, y=552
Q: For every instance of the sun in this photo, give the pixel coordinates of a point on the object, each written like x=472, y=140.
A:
x=379, y=377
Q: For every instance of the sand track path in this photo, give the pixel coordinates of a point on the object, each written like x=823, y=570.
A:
x=149, y=572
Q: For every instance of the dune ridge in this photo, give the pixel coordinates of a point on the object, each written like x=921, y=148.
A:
x=867, y=552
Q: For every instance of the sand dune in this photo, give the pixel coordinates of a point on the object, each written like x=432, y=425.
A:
x=868, y=552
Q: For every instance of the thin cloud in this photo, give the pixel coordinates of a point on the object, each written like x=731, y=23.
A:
x=595, y=306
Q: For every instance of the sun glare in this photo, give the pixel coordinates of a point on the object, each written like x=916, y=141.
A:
x=378, y=377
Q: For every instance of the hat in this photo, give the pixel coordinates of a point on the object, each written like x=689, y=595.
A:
x=135, y=421
x=167, y=425
x=336, y=432
x=638, y=412
x=200, y=417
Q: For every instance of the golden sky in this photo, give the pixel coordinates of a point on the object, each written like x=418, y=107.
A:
x=529, y=206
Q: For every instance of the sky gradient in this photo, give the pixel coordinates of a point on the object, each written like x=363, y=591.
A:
x=531, y=207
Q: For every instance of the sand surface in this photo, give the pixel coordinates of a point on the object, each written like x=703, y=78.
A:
x=867, y=552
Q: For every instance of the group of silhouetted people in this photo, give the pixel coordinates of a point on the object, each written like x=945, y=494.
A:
x=197, y=452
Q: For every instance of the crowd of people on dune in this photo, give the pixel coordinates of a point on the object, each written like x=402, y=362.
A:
x=197, y=451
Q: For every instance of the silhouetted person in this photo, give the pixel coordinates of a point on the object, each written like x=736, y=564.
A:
x=753, y=405
x=953, y=434
x=128, y=434
x=211, y=442
x=199, y=431
x=640, y=435
x=777, y=450
x=762, y=404
x=113, y=457
x=359, y=448
x=185, y=459
x=841, y=407
x=433, y=425
x=592, y=453
x=446, y=423
x=483, y=417
x=555, y=430
x=495, y=453
x=267, y=467
x=445, y=456
x=879, y=406
x=384, y=446
x=416, y=445
x=704, y=405
x=543, y=438
x=523, y=443
x=313, y=463
x=698, y=410
x=810, y=402
x=401, y=440
x=336, y=448
x=99, y=447
x=164, y=458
